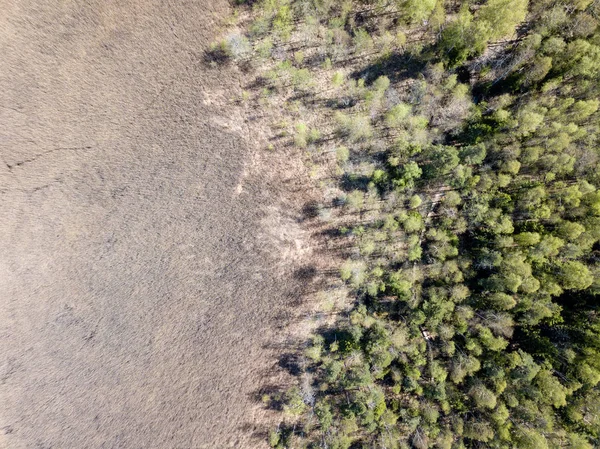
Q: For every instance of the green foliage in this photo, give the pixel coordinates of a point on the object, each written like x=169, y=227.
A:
x=363, y=42
x=397, y=115
x=528, y=438
x=301, y=137
x=499, y=18
x=294, y=404
x=479, y=431
x=342, y=154
x=482, y=397
x=574, y=275
x=356, y=128
x=283, y=22
x=439, y=160
x=324, y=415
x=414, y=11
x=338, y=79
x=274, y=438
x=415, y=201
x=470, y=218
x=468, y=35
x=473, y=154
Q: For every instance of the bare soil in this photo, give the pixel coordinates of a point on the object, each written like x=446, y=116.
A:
x=148, y=246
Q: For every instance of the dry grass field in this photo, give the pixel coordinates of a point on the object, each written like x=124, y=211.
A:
x=147, y=252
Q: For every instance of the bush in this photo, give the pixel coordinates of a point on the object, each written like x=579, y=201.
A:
x=342, y=154
x=356, y=128
x=237, y=46
x=301, y=137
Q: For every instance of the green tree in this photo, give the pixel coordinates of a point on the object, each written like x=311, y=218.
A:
x=439, y=160
x=574, y=275
x=415, y=201
x=473, y=154
x=500, y=17
x=530, y=439
x=551, y=390
x=356, y=128
x=397, y=115
x=569, y=231
x=479, y=431
x=482, y=397
x=416, y=10
x=294, y=404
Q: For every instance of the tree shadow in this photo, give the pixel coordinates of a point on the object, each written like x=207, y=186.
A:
x=290, y=362
x=216, y=56
x=340, y=103
x=310, y=210
x=397, y=67
x=259, y=82
x=306, y=273
x=350, y=182
x=270, y=395
x=256, y=432
x=331, y=233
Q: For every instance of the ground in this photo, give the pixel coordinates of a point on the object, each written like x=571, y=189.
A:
x=146, y=258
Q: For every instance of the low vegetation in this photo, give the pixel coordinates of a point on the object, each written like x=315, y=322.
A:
x=457, y=147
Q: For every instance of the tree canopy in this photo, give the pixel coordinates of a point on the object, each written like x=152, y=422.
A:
x=462, y=141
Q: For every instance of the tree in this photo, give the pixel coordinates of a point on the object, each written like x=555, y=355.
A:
x=457, y=41
x=338, y=79
x=415, y=201
x=409, y=173
x=527, y=238
x=397, y=115
x=539, y=69
x=472, y=265
x=550, y=389
x=574, y=275
x=501, y=301
x=324, y=415
x=547, y=247
x=569, y=231
x=237, y=46
x=342, y=154
x=500, y=17
x=413, y=222
x=577, y=441
x=294, y=404
x=530, y=439
x=584, y=108
x=362, y=41
x=420, y=440
x=301, y=137
x=463, y=366
x=356, y=128
x=473, y=154
x=283, y=22
x=489, y=341
x=439, y=160
x=479, y=431
x=528, y=121
x=482, y=397
x=580, y=59
x=416, y=10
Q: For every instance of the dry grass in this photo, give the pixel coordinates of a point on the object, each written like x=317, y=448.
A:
x=149, y=241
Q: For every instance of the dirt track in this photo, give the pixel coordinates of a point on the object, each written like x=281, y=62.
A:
x=140, y=268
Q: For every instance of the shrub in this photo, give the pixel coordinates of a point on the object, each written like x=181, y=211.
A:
x=356, y=128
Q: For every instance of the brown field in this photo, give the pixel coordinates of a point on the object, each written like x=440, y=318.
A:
x=147, y=250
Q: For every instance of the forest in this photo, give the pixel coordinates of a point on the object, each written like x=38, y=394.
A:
x=456, y=143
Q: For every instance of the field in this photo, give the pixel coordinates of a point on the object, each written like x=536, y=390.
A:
x=307, y=224
x=148, y=251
